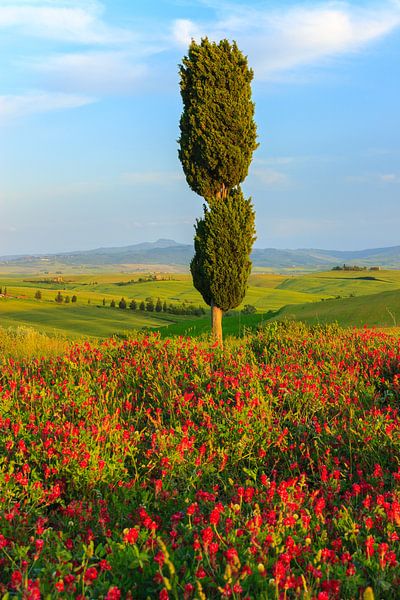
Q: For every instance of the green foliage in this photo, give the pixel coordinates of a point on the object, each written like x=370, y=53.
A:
x=59, y=298
x=159, y=305
x=218, y=132
x=150, y=304
x=249, y=309
x=223, y=241
x=74, y=299
x=38, y=294
x=122, y=303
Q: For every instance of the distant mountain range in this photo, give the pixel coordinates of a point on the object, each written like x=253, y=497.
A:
x=169, y=252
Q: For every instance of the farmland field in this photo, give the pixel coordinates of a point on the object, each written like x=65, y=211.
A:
x=350, y=298
x=150, y=468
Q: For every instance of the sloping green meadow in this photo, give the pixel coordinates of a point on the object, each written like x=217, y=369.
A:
x=350, y=298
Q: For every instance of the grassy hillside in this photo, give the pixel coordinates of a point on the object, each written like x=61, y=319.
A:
x=378, y=310
x=77, y=321
x=343, y=283
x=298, y=297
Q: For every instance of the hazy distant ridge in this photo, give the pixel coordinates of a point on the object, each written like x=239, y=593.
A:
x=169, y=252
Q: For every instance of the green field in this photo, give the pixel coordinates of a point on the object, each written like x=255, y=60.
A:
x=353, y=298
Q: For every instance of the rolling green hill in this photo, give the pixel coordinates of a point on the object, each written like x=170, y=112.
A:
x=350, y=298
x=172, y=254
x=374, y=310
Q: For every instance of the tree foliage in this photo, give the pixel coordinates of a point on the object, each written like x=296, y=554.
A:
x=223, y=241
x=218, y=132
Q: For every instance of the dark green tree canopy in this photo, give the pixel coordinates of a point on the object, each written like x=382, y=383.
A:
x=223, y=242
x=218, y=132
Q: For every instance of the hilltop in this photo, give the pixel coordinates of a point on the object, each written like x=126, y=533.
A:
x=172, y=255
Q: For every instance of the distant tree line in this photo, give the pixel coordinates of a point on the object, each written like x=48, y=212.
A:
x=146, y=278
x=158, y=306
x=59, y=298
x=354, y=268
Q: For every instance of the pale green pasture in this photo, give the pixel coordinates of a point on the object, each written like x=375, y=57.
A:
x=294, y=296
x=375, y=310
x=344, y=283
x=77, y=320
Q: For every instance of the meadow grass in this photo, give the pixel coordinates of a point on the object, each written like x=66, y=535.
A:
x=295, y=297
x=25, y=342
x=77, y=321
x=374, y=310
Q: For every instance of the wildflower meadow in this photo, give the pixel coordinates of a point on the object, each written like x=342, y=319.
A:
x=168, y=469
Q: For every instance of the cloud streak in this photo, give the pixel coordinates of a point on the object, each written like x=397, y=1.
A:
x=79, y=22
x=285, y=39
x=92, y=72
x=151, y=177
x=12, y=106
x=97, y=58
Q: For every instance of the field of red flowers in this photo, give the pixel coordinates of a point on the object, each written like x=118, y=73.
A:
x=164, y=469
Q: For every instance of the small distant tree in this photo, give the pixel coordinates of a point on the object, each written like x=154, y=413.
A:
x=122, y=303
x=142, y=305
x=67, y=299
x=1, y=290
x=150, y=304
x=112, y=303
x=59, y=298
x=74, y=299
x=5, y=291
x=133, y=305
x=165, y=306
x=158, y=305
x=249, y=309
x=104, y=301
x=38, y=295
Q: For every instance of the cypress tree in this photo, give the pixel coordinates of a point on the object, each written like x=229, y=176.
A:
x=217, y=140
x=159, y=305
x=221, y=265
x=218, y=132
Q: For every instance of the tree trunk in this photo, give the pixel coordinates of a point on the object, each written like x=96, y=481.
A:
x=216, y=323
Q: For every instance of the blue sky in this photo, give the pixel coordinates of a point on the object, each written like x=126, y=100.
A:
x=90, y=105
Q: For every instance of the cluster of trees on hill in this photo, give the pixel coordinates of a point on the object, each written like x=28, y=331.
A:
x=59, y=298
x=146, y=278
x=354, y=268
x=149, y=305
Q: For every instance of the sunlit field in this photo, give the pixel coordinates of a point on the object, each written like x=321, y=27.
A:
x=316, y=298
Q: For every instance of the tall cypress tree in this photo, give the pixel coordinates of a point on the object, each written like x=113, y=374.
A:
x=217, y=141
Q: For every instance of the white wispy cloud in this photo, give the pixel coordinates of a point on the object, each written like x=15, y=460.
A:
x=269, y=177
x=284, y=39
x=97, y=58
x=151, y=177
x=368, y=178
x=70, y=21
x=92, y=72
x=14, y=106
x=389, y=178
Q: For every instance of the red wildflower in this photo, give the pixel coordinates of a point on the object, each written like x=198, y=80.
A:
x=131, y=535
